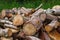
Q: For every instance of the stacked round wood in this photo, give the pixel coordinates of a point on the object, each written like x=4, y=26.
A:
x=30, y=24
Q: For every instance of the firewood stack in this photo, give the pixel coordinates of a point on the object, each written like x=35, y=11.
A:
x=30, y=24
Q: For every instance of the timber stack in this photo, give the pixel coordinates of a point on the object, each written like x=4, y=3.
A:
x=30, y=24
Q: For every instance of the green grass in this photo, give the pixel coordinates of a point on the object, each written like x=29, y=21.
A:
x=28, y=4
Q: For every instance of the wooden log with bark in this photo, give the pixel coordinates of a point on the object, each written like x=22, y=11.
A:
x=50, y=26
x=18, y=20
x=30, y=24
x=4, y=38
x=6, y=13
x=33, y=24
x=5, y=32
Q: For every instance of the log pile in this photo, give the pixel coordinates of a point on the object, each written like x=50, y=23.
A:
x=30, y=24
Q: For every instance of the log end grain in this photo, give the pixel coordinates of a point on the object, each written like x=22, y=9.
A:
x=18, y=20
x=48, y=28
x=43, y=17
x=29, y=29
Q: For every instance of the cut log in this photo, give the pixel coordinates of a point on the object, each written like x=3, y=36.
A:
x=6, y=13
x=57, y=7
x=54, y=35
x=51, y=17
x=56, y=12
x=5, y=32
x=26, y=12
x=35, y=23
x=14, y=31
x=18, y=20
x=38, y=12
x=4, y=38
x=29, y=29
x=10, y=26
x=43, y=17
x=5, y=21
x=51, y=25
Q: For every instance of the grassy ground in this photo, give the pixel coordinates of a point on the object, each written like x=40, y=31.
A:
x=28, y=4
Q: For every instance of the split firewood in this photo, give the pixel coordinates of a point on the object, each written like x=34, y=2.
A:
x=14, y=30
x=18, y=20
x=50, y=26
x=5, y=32
x=55, y=35
x=4, y=38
